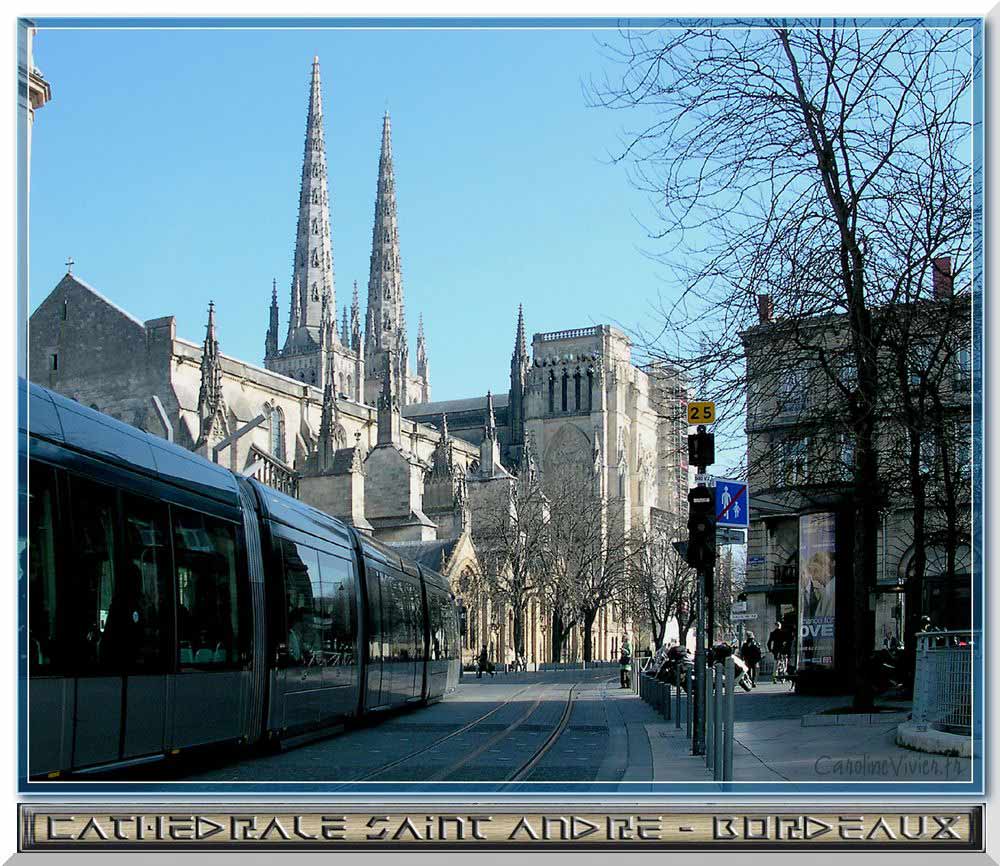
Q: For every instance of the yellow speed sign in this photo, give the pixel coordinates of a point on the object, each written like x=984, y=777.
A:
x=701, y=412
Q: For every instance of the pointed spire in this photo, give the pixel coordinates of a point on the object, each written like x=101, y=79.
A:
x=271, y=341
x=210, y=392
x=355, y=320
x=421, y=349
x=490, y=428
x=520, y=343
x=386, y=333
x=312, y=269
x=345, y=334
x=444, y=427
x=327, y=444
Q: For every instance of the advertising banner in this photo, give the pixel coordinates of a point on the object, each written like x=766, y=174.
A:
x=817, y=589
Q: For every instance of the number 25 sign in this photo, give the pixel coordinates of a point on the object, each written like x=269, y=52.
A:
x=701, y=412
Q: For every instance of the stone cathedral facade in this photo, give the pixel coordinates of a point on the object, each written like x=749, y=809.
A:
x=337, y=416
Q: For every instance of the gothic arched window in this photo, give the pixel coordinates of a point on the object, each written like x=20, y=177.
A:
x=565, y=391
x=315, y=226
x=552, y=391
x=277, y=421
x=315, y=196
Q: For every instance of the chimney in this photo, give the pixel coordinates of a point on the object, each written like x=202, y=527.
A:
x=765, y=308
x=943, y=280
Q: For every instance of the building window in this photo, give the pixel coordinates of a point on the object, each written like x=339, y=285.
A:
x=565, y=391
x=277, y=421
x=65, y=310
x=846, y=455
x=928, y=452
x=54, y=361
x=590, y=390
x=793, y=456
x=963, y=450
x=552, y=392
x=963, y=369
x=792, y=391
x=576, y=391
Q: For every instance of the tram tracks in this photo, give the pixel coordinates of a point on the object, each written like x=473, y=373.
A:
x=524, y=770
x=433, y=745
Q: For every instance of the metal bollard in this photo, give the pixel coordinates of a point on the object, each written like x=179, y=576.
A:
x=720, y=722
x=727, y=759
x=636, y=673
x=709, y=715
x=666, y=700
x=688, y=698
x=677, y=703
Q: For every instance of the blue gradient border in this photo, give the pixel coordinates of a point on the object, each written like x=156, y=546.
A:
x=583, y=791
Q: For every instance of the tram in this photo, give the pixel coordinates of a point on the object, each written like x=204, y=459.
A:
x=168, y=604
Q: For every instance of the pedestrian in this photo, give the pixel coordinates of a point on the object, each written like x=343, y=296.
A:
x=750, y=653
x=777, y=645
x=484, y=664
x=625, y=664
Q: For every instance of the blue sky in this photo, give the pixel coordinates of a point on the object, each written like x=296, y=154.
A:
x=167, y=165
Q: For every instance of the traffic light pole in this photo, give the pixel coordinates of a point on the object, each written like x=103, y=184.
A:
x=700, y=555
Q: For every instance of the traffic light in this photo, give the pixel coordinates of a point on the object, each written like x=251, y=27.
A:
x=701, y=528
x=701, y=447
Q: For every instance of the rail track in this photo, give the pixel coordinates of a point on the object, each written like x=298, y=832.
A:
x=524, y=770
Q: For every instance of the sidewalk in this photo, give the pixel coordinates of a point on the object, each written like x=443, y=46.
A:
x=785, y=749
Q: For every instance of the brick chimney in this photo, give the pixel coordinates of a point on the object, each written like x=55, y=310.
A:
x=943, y=280
x=765, y=308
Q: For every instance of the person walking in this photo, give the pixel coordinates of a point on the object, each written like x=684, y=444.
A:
x=484, y=664
x=750, y=653
x=777, y=645
x=625, y=664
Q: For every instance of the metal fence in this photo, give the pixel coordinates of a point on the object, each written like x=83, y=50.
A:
x=675, y=703
x=942, y=688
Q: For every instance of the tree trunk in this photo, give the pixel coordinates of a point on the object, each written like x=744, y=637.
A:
x=588, y=634
x=866, y=523
x=914, y=591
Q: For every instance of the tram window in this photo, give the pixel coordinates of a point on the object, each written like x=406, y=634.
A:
x=143, y=585
x=208, y=622
x=302, y=592
x=377, y=644
x=43, y=647
x=98, y=626
x=338, y=609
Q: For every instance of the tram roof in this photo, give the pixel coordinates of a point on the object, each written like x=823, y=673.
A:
x=52, y=416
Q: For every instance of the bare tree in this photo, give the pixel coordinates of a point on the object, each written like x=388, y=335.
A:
x=794, y=161
x=511, y=520
x=659, y=580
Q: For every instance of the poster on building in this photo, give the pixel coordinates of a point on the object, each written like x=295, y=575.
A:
x=817, y=589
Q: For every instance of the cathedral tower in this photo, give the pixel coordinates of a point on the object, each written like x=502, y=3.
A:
x=385, y=329
x=313, y=350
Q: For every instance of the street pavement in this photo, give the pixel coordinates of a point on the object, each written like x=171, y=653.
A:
x=581, y=727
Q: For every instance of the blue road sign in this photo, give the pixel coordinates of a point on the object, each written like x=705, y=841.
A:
x=732, y=503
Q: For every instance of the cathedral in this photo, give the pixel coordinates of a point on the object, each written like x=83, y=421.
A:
x=340, y=419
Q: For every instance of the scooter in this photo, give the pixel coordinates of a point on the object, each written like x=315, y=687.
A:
x=720, y=652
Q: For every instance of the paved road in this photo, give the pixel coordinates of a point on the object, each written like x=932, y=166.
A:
x=576, y=727
x=487, y=731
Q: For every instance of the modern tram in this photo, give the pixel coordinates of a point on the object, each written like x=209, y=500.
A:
x=167, y=603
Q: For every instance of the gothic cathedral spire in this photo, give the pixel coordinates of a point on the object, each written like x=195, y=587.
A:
x=271, y=343
x=385, y=337
x=312, y=270
x=520, y=363
x=211, y=412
